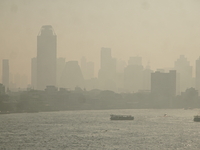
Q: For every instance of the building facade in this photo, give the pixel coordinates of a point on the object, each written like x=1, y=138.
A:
x=163, y=87
x=46, y=57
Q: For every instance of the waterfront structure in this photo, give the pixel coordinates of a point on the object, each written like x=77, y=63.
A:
x=46, y=57
x=5, y=73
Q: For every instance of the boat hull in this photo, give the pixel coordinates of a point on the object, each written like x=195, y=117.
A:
x=118, y=117
x=196, y=118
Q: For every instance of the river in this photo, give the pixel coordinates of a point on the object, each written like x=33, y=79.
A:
x=93, y=130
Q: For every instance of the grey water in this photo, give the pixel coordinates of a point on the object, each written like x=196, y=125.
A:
x=93, y=130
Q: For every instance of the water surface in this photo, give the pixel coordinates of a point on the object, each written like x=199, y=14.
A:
x=92, y=129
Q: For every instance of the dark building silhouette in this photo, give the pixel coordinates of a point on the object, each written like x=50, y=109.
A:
x=163, y=86
x=5, y=73
x=46, y=57
x=72, y=76
x=34, y=72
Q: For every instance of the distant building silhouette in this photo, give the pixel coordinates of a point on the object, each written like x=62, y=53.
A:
x=72, y=76
x=60, y=68
x=46, y=57
x=107, y=72
x=120, y=65
x=34, y=73
x=2, y=89
x=147, y=78
x=184, y=71
x=133, y=75
x=87, y=68
x=163, y=86
x=5, y=73
x=84, y=66
x=90, y=70
x=197, y=83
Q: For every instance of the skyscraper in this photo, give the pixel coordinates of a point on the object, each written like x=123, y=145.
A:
x=133, y=75
x=183, y=68
x=46, y=57
x=107, y=72
x=163, y=87
x=5, y=73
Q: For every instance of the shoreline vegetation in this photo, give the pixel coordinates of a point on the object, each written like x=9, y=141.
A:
x=33, y=101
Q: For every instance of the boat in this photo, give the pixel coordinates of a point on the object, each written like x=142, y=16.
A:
x=121, y=117
x=197, y=118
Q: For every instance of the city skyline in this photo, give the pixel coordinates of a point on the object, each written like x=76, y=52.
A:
x=156, y=31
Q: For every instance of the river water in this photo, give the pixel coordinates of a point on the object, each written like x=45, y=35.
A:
x=93, y=130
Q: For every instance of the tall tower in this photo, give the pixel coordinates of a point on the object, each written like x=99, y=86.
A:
x=107, y=72
x=184, y=70
x=46, y=57
x=5, y=73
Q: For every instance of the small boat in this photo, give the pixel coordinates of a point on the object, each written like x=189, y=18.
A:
x=197, y=118
x=121, y=117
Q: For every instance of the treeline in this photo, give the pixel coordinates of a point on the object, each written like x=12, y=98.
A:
x=37, y=101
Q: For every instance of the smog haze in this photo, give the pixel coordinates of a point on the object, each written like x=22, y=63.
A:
x=158, y=31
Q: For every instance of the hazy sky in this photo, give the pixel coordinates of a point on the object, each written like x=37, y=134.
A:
x=157, y=30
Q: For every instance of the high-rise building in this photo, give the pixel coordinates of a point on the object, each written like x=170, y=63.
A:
x=107, y=72
x=133, y=75
x=198, y=75
x=90, y=70
x=163, y=87
x=34, y=72
x=147, y=78
x=183, y=68
x=84, y=67
x=72, y=76
x=87, y=68
x=46, y=57
x=5, y=73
